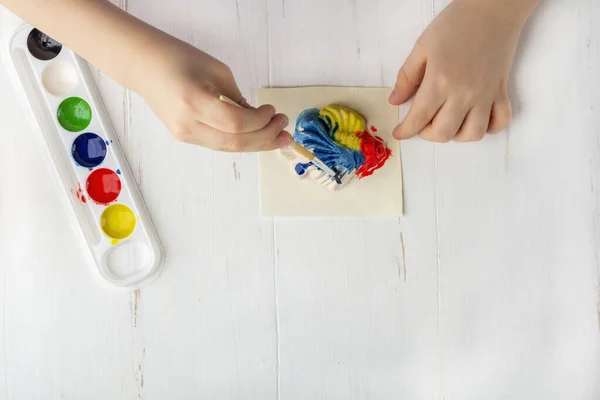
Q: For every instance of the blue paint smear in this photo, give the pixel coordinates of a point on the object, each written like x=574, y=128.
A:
x=88, y=150
x=301, y=168
x=313, y=133
x=118, y=172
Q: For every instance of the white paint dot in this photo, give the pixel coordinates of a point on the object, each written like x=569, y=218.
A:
x=60, y=78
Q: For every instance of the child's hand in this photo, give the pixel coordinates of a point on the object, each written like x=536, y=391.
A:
x=459, y=69
x=182, y=85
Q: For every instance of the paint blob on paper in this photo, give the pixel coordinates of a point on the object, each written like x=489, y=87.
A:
x=339, y=137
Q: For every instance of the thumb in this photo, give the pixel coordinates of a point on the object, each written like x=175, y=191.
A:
x=409, y=77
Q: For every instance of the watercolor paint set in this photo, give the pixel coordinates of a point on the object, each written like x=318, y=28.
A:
x=59, y=93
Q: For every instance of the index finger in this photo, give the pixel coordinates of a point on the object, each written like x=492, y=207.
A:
x=424, y=107
x=233, y=118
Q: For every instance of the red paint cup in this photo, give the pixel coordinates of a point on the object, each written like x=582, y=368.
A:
x=103, y=186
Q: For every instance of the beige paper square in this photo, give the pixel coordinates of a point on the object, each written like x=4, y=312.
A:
x=283, y=193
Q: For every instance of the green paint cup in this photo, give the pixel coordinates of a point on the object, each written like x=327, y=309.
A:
x=74, y=114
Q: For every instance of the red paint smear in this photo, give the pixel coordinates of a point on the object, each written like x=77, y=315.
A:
x=375, y=151
x=103, y=186
x=373, y=129
x=79, y=193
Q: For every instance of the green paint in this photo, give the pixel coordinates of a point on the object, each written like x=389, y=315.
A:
x=74, y=114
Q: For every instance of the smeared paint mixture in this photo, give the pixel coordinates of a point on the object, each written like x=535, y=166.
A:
x=339, y=137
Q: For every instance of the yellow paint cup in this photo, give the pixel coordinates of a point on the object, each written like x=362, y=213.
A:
x=118, y=221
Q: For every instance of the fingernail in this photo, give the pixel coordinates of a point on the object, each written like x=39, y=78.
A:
x=285, y=122
x=283, y=141
x=393, y=96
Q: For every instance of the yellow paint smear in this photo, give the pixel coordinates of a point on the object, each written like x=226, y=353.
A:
x=349, y=123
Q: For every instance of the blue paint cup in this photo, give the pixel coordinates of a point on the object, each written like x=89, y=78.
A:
x=88, y=150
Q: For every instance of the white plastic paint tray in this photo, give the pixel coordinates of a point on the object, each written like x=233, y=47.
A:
x=57, y=90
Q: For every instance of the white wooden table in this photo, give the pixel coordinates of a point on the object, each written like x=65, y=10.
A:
x=487, y=289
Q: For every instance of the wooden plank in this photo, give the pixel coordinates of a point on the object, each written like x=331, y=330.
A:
x=496, y=294
x=357, y=317
x=518, y=228
x=206, y=329
x=63, y=336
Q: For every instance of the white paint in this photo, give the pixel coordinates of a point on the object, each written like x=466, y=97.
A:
x=60, y=78
x=502, y=237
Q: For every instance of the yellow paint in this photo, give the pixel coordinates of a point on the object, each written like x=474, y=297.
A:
x=349, y=124
x=118, y=222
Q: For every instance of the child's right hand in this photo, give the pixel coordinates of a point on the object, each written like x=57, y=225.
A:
x=182, y=85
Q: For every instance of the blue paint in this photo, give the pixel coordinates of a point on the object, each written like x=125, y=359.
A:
x=316, y=135
x=118, y=171
x=301, y=168
x=88, y=150
x=107, y=142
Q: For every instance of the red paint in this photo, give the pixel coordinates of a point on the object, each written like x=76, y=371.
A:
x=375, y=151
x=79, y=193
x=373, y=129
x=103, y=186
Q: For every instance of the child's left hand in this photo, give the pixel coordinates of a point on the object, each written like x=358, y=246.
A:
x=459, y=70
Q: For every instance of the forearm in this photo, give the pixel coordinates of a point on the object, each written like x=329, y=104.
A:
x=516, y=10
x=100, y=32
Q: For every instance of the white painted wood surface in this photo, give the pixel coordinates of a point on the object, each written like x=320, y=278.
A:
x=488, y=289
